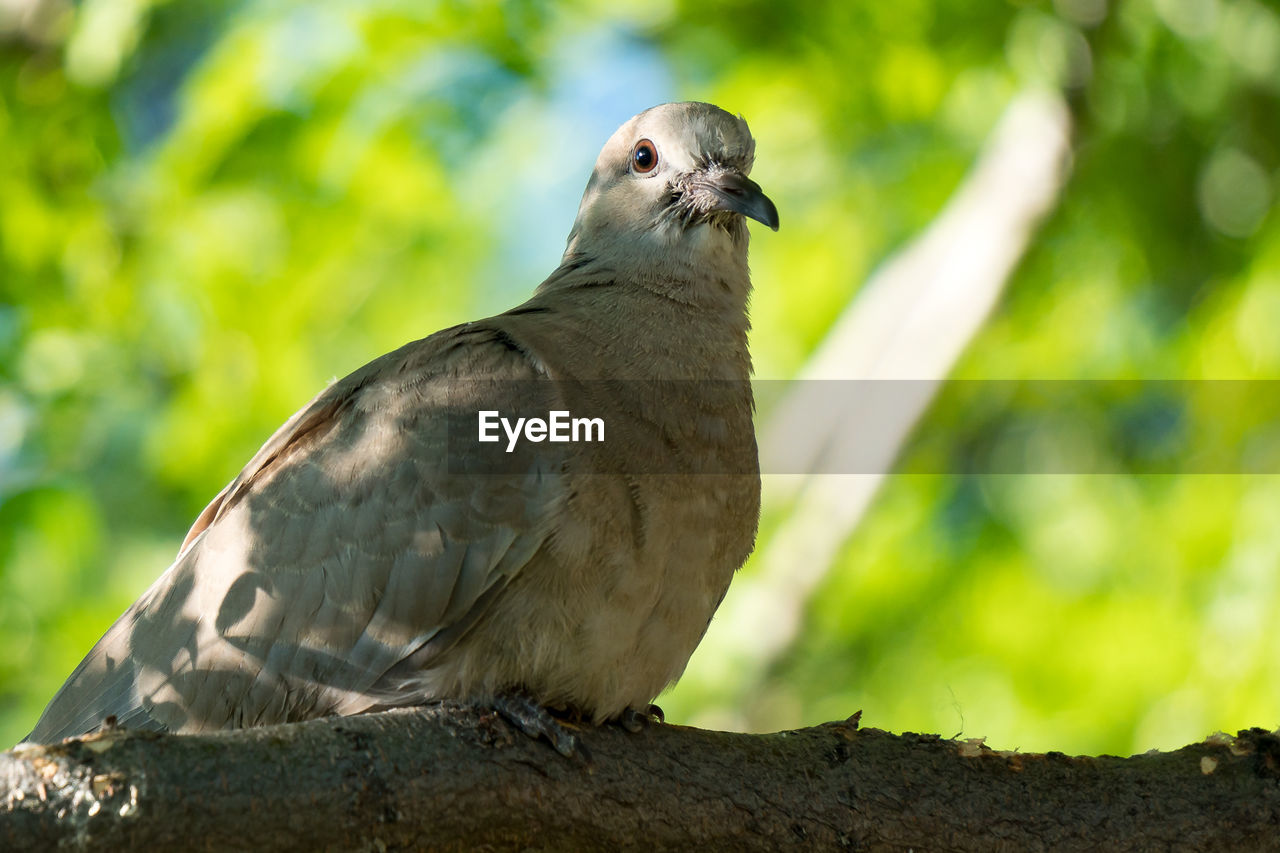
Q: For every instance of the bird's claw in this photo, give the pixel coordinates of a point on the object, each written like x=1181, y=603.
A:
x=635, y=719
x=534, y=720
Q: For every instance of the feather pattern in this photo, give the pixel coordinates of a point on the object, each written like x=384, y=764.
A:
x=373, y=554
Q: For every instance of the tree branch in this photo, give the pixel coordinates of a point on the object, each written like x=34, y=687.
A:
x=455, y=778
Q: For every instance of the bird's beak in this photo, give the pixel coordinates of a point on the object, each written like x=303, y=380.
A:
x=734, y=191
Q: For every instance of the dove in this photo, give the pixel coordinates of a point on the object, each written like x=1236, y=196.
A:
x=375, y=553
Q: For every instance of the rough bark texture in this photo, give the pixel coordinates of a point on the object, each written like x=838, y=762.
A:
x=450, y=778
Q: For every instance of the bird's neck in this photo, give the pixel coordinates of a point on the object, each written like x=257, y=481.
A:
x=602, y=307
x=704, y=267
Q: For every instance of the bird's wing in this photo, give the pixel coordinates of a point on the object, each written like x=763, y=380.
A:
x=367, y=530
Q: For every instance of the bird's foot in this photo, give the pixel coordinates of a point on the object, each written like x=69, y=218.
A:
x=636, y=719
x=536, y=721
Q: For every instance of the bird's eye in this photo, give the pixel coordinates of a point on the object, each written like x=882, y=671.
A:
x=644, y=157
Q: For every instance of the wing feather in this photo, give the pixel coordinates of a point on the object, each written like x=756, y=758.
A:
x=351, y=547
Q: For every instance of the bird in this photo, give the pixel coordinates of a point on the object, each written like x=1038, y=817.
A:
x=376, y=554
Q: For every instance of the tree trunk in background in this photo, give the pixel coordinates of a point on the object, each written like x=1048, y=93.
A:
x=906, y=327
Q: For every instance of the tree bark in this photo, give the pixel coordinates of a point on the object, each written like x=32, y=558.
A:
x=458, y=778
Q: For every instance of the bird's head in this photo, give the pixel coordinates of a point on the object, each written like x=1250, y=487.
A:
x=671, y=186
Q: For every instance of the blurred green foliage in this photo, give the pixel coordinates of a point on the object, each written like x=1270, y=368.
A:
x=209, y=210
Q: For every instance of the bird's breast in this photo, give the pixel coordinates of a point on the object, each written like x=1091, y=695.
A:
x=652, y=525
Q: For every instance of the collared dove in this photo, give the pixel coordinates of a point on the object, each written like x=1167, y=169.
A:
x=369, y=557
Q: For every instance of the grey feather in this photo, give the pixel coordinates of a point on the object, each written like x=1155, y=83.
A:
x=368, y=557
